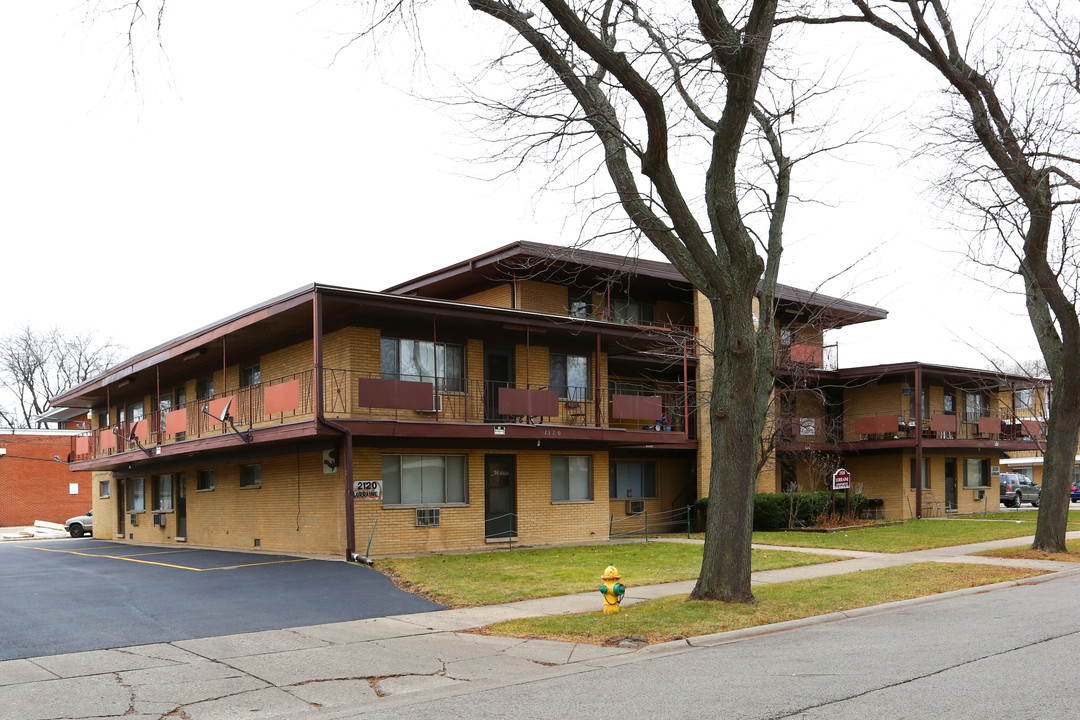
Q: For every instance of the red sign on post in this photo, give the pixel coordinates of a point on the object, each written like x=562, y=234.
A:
x=841, y=480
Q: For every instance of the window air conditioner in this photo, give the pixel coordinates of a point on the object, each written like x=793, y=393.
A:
x=134, y=519
x=635, y=507
x=428, y=517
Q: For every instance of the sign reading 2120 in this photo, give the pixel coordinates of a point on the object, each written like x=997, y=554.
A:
x=367, y=489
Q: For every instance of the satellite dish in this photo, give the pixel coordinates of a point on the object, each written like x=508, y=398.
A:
x=224, y=411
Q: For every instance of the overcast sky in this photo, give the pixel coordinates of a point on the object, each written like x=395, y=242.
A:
x=250, y=162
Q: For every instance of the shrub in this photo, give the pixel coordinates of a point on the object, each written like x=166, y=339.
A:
x=773, y=511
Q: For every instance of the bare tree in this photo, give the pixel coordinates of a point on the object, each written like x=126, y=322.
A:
x=1011, y=136
x=35, y=366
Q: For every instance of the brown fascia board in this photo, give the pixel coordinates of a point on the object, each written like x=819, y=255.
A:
x=949, y=371
x=838, y=311
x=197, y=338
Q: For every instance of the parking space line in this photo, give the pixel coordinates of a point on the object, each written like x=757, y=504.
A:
x=116, y=557
x=161, y=564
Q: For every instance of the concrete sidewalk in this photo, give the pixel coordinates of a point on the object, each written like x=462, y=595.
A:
x=343, y=669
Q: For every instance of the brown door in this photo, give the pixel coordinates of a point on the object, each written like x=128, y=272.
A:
x=181, y=506
x=500, y=496
x=498, y=373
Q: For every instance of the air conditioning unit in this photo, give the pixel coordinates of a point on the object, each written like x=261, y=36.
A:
x=980, y=494
x=635, y=507
x=159, y=520
x=428, y=517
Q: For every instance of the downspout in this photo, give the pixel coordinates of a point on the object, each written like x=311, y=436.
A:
x=918, y=441
x=596, y=399
x=685, y=394
x=347, y=454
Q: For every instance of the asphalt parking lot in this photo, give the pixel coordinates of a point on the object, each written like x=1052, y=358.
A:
x=62, y=596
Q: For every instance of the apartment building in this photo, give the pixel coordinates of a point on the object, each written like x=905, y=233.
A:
x=533, y=394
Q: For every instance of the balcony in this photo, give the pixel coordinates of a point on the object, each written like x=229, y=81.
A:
x=806, y=356
x=358, y=396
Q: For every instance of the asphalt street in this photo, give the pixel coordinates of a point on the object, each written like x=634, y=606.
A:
x=62, y=596
x=1006, y=653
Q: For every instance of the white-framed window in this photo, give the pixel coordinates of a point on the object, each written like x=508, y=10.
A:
x=1025, y=398
x=579, y=303
x=571, y=478
x=250, y=375
x=136, y=494
x=424, y=480
x=163, y=493
x=421, y=361
x=104, y=489
x=925, y=473
x=204, y=480
x=976, y=472
x=568, y=375
x=250, y=476
x=136, y=412
x=632, y=480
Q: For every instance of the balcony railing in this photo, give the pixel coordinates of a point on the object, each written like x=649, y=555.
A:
x=940, y=426
x=806, y=356
x=351, y=395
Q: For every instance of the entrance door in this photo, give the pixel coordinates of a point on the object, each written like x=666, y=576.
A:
x=181, y=506
x=950, y=483
x=500, y=496
x=498, y=373
x=121, y=508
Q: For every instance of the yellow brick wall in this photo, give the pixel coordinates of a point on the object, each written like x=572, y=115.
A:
x=542, y=297
x=539, y=522
x=498, y=296
x=296, y=509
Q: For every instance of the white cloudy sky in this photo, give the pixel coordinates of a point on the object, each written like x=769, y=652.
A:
x=250, y=162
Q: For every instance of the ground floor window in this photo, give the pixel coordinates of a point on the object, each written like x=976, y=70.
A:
x=925, y=473
x=976, y=473
x=250, y=476
x=571, y=478
x=136, y=494
x=163, y=493
x=632, y=479
x=204, y=480
x=424, y=479
x=104, y=488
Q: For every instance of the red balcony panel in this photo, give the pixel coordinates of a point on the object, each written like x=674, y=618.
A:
x=107, y=440
x=532, y=403
x=636, y=407
x=806, y=354
x=82, y=445
x=943, y=423
x=877, y=424
x=397, y=394
x=281, y=398
x=141, y=430
x=220, y=406
x=1031, y=427
x=990, y=425
x=176, y=421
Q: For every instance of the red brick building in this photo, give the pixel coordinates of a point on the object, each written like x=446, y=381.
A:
x=33, y=484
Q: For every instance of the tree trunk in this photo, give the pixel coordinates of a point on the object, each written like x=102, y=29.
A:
x=1062, y=434
x=725, y=568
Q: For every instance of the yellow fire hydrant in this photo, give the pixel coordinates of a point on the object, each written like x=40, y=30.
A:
x=612, y=589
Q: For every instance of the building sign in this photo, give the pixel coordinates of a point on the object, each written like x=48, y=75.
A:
x=841, y=480
x=367, y=489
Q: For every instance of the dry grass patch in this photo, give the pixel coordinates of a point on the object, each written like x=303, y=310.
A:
x=674, y=618
x=1072, y=553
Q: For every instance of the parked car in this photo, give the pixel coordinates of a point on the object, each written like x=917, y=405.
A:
x=1017, y=489
x=1074, y=492
x=79, y=526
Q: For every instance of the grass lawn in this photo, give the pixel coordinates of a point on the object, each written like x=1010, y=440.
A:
x=913, y=534
x=508, y=575
x=672, y=618
x=1026, y=553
